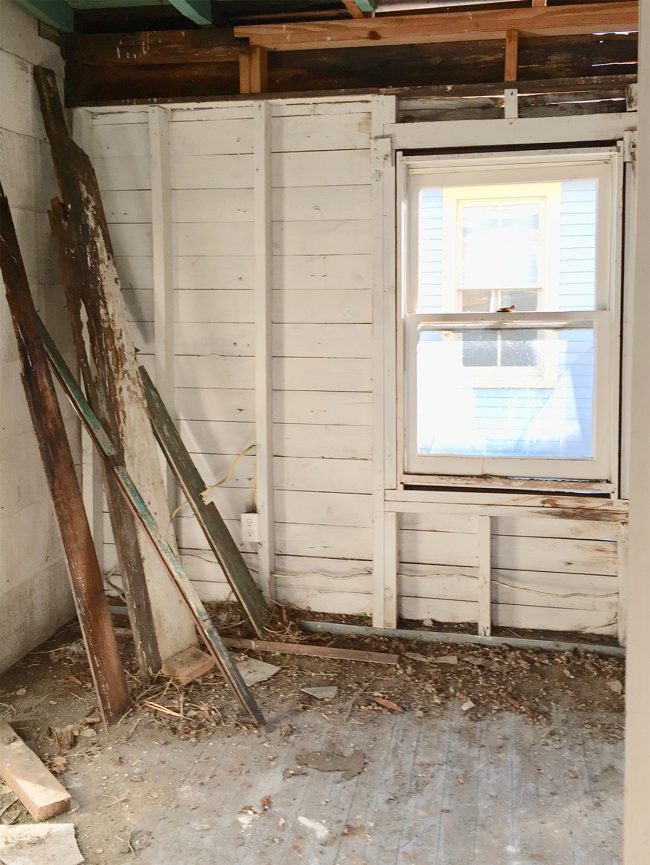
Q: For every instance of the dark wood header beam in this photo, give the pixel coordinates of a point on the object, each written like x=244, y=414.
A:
x=444, y=27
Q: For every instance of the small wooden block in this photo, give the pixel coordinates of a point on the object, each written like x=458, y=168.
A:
x=188, y=665
x=31, y=781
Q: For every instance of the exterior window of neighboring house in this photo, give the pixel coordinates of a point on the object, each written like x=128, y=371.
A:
x=508, y=308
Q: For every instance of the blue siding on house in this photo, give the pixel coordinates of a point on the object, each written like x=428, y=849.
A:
x=535, y=422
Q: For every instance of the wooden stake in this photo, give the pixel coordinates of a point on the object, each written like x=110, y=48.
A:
x=83, y=567
x=512, y=55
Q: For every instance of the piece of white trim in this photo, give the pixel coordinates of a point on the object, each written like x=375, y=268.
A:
x=483, y=531
x=391, y=568
x=163, y=266
x=622, y=556
x=384, y=574
x=263, y=345
x=511, y=133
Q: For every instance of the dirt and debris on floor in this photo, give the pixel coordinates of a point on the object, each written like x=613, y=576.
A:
x=316, y=708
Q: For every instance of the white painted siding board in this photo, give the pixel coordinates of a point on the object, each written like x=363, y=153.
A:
x=343, y=272
x=130, y=206
x=333, y=374
x=212, y=172
x=135, y=271
x=220, y=136
x=211, y=338
x=215, y=272
x=218, y=404
x=322, y=168
x=121, y=139
x=326, y=509
x=322, y=407
x=439, y=548
x=212, y=205
x=326, y=442
x=557, y=554
x=123, y=172
x=214, y=371
x=322, y=340
x=317, y=203
x=318, y=132
x=329, y=306
x=331, y=475
x=216, y=437
x=211, y=306
x=327, y=237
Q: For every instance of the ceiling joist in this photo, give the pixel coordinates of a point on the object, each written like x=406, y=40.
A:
x=444, y=27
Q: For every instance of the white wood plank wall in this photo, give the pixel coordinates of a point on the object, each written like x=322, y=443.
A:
x=548, y=573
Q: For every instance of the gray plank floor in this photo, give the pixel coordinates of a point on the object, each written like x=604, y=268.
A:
x=442, y=791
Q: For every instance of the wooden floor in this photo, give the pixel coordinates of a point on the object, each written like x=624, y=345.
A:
x=433, y=792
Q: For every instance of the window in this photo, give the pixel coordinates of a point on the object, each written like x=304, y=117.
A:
x=508, y=308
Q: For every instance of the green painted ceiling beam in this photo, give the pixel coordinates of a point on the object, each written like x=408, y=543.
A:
x=198, y=11
x=367, y=6
x=56, y=13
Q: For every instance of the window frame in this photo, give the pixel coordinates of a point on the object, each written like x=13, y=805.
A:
x=420, y=171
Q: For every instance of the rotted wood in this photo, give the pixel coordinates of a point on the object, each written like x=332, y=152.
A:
x=147, y=520
x=83, y=568
x=159, y=620
x=122, y=521
x=90, y=82
x=214, y=528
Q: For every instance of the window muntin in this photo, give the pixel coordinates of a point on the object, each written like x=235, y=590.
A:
x=526, y=392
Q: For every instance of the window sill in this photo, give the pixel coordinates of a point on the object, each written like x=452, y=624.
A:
x=499, y=484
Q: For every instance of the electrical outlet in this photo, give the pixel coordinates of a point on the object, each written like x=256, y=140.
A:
x=250, y=528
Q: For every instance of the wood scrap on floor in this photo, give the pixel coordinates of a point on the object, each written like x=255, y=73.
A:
x=253, y=672
x=83, y=567
x=43, y=844
x=139, y=507
x=161, y=625
x=314, y=651
x=188, y=665
x=21, y=770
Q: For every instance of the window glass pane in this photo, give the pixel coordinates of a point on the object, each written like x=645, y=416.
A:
x=501, y=244
x=504, y=238
x=541, y=407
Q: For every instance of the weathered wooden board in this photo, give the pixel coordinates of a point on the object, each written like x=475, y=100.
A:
x=83, y=567
x=217, y=535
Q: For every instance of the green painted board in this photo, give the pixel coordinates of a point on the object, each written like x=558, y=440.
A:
x=141, y=510
x=216, y=532
x=55, y=13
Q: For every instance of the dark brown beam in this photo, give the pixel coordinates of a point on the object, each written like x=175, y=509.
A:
x=83, y=567
x=163, y=47
x=350, y=69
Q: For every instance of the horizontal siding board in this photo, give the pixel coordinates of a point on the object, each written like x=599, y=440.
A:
x=327, y=442
x=214, y=404
x=320, y=132
x=211, y=306
x=328, y=306
x=214, y=338
x=322, y=407
x=211, y=172
x=438, y=548
x=558, y=554
x=216, y=272
x=327, y=237
x=318, y=203
x=326, y=509
x=322, y=340
x=305, y=272
x=318, y=475
x=331, y=374
x=321, y=168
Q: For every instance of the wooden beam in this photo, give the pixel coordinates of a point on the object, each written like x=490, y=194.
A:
x=512, y=55
x=54, y=13
x=198, y=11
x=152, y=47
x=168, y=556
x=359, y=655
x=253, y=70
x=215, y=530
x=83, y=568
x=444, y=27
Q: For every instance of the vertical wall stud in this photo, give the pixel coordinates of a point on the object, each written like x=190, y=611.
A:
x=483, y=531
x=263, y=345
x=622, y=553
x=163, y=287
x=512, y=55
x=92, y=470
x=253, y=70
x=391, y=567
x=384, y=613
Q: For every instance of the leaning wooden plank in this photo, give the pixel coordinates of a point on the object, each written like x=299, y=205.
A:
x=124, y=526
x=85, y=574
x=120, y=402
x=31, y=781
x=313, y=651
x=215, y=530
x=138, y=505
